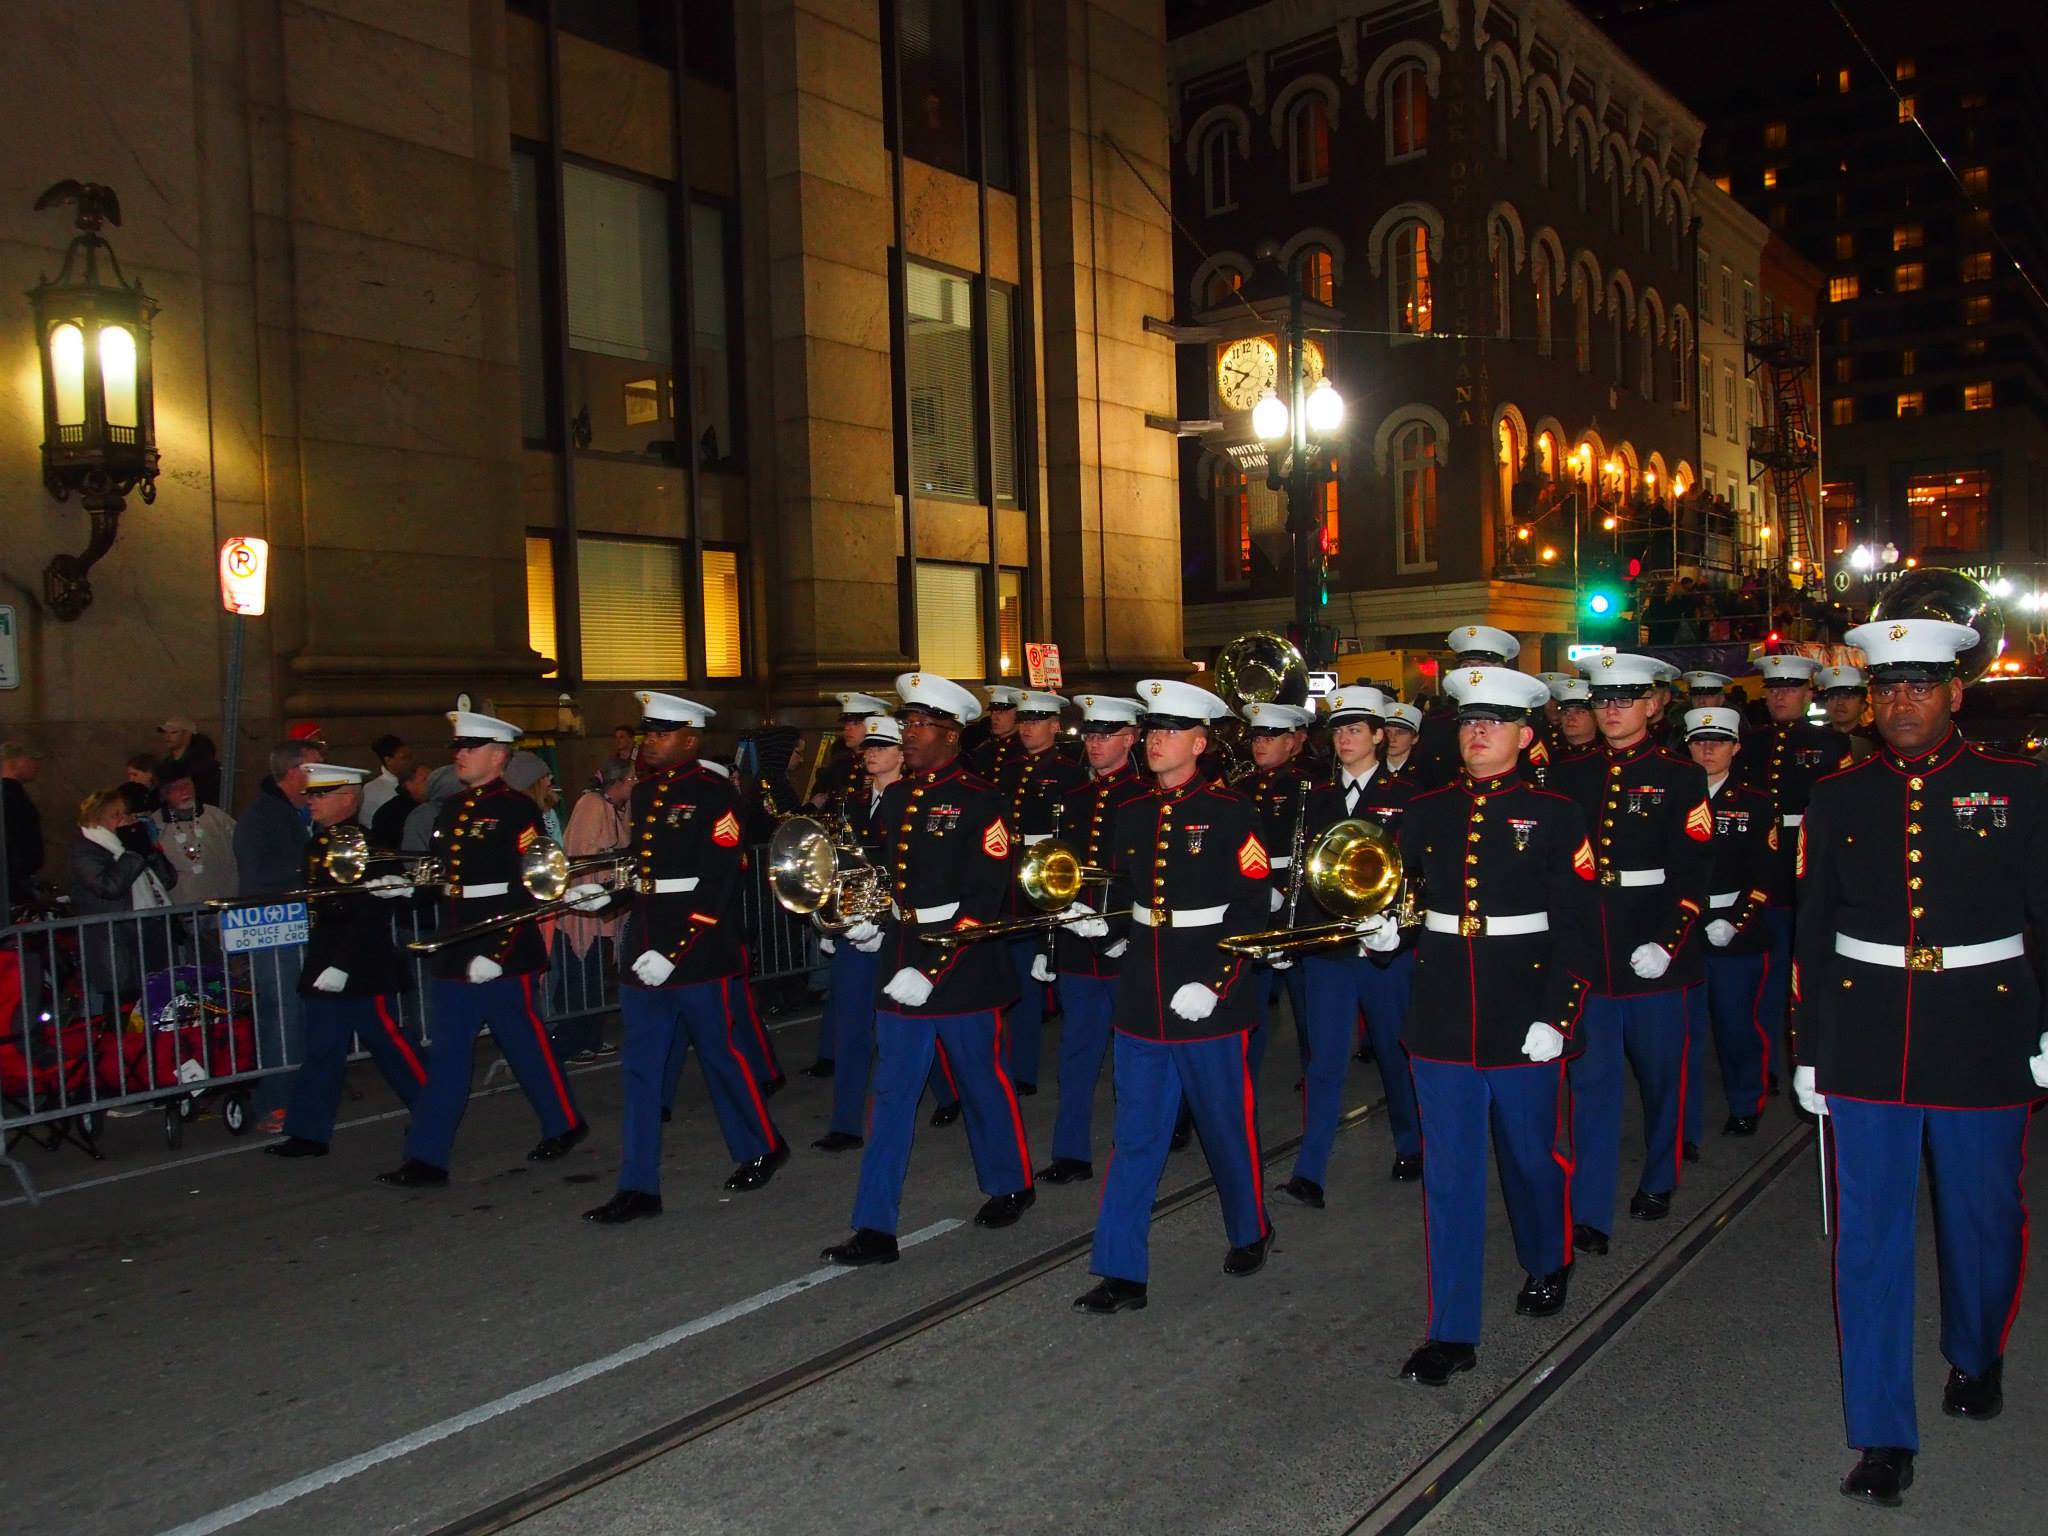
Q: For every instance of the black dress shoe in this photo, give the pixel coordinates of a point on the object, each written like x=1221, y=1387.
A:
x=1067, y=1170
x=1437, y=1362
x=414, y=1174
x=1545, y=1297
x=1027, y=1090
x=821, y=1068
x=1112, y=1296
x=1588, y=1239
x=1691, y=1151
x=1407, y=1169
x=866, y=1246
x=1740, y=1125
x=553, y=1148
x=626, y=1205
x=1250, y=1259
x=838, y=1141
x=945, y=1115
x=1885, y=1472
x=1974, y=1397
x=757, y=1171
x=297, y=1146
x=773, y=1086
x=1302, y=1192
x=1647, y=1207
x=1005, y=1210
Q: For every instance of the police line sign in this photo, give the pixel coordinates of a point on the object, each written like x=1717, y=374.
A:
x=275, y=926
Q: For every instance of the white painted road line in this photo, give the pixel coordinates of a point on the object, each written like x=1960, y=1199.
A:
x=419, y=1439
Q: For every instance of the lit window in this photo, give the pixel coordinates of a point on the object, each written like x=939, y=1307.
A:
x=1842, y=411
x=1845, y=247
x=1907, y=105
x=1842, y=82
x=1909, y=362
x=1010, y=622
x=1407, y=112
x=540, y=599
x=1907, y=237
x=1223, y=282
x=1976, y=179
x=945, y=429
x=1329, y=501
x=1974, y=347
x=1977, y=309
x=1770, y=176
x=1842, y=289
x=1774, y=135
x=1415, y=496
x=1978, y=396
x=1232, y=497
x=630, y=606
x=1905, y=69
x=1845, y=369
x=1950, y=510
x=722, y=645
x=1724, y=183
x=1911, y=403
x=1908, y=276
x=950, y=633
x=1409, y=271
x=1318, y=275
x=1977, y=267
x=1308, y=142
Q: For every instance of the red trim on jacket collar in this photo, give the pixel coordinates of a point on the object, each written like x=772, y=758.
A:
x=1935, y=758
x=1493, y=786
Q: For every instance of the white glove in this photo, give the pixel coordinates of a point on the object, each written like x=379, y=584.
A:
x=1194, y=1002
x=1280, y=963
x=1041, y=968
x=858, y=934
x=1720, y=933
x=1279, y=900
x=827, y=947
x=330, y=980
x=1379, y=936
x=1116, y=950
x=910, y=987
x=1542, y=1043
x=653, y=968
x=388, y=887
x=1086, y=927
x=482, y=970
x=587, y=898
x=2038, y=1065
x=1649, y=961
x=1810, y=1099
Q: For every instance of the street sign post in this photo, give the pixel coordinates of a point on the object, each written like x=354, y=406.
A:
x=244, y=593
x=1042, y=663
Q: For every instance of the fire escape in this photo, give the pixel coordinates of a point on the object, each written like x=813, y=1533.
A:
x=1787, y=446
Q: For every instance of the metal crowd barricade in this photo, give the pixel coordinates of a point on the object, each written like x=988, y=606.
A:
x=173, y=1009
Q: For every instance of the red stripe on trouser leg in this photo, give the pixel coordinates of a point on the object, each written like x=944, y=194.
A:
x=1560, y=1133
x=2020, y=1282
x=398, y=1040
x=746, y=1072
x=1428, y=1271
x=547, y=1051
x=1010, y=1095
x=1763, y=1035
x=1684, y=1071
x=1251, y=1128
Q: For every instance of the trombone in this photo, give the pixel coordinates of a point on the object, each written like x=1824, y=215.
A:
x=1051, y=875
x=547, y=873
x=346, y=859
x=1353, y=869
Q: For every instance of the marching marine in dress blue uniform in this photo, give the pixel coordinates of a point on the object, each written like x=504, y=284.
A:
x=993, y=750
x=480, y=838
x=1921, y=871
x=1190, y=858
x=842, y=786
x=1650, y=823
x=952, y=862
x=1404, y=729
x=1505, y=869
x=1033, y=779
x=1276, y=735
x=682, y=988
x=1470, y=645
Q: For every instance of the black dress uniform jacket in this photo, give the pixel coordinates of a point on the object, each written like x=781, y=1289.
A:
x=350, y=932
x=1946, y=849
x=1484, y=848
x=1784, y=761
x=989, y=756
x=1087, y=817
x=1035, y=785
x=1179, y=850
x=686, y=824
x=1739, y=864
x=1278, y=795
x=952, y=854
x=1384, y=799
x=1645, y=809
x=480, y=837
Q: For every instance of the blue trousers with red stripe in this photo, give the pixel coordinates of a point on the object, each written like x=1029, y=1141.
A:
x=1980, y=1237
x=1725, y=1009
x=331, y=1022
x=1151, y=1077
x=1086, y=1006
x=749, y=1034
x=509, y=1008
x=904, y=1043
x=1526, y=1110
x=1340, y=987
x=1649, y=1031
x=1024, y=1021
x=849, y=1018
x=662, y=1023
x=1294, y=981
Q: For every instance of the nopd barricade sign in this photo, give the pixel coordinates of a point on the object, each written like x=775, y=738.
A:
x=272, y=926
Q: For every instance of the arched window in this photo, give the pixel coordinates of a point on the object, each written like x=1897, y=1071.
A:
x=1412, y=303
x=1646, y=360
x=1407, y=112
x=1582, y=161
x=1547, y=456
x=1415, y=496
x=1223, y=282
x=1503, y=283
x=1539, y=119
x=1308, y=142
x=1318, y=275
x=1582, y=327
x=1617, y=325
x=1508, y=457
x=1614, y=200
x=1540, y=274
x=1216, y=196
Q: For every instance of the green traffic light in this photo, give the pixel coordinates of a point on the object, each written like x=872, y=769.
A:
x=1599, y=604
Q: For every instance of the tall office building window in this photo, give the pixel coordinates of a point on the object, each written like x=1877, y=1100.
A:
x=1976, y=180
x=540, y=599
x=949, y=620
x=1976, y=267
x=931, y=47
x=1911, y=402
x=1977, y=309
x=1009, y=622
x=945, y=449
x=723, y=645
x=1908, y=237
x=1979, y=396
x=1002, y=367
x=1843, y=289
x=536, y=364
x=1909, y=276
x=630, y=597
x=620, y=330
x=998, y=101
x=1909, y=362
x=1950, y=511
x=712, y=355
x=1842, y=411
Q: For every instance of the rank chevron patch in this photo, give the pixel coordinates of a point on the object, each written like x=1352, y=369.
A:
x=726, y=831
x=995, y=842
x=1251, y=857
x=1699, y=823
x=1582, y=860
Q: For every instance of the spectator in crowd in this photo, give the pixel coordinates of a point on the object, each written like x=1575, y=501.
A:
x=115, y=866
x=185, y=749
x=198, y=840
x=387, y=827
x=418, y=835
x=622, y=742
x=307, y=731
x=270, y=858
x=24, y=823
x=141, y=775
x=598, y=824
x=529, y=773
x=396, y=758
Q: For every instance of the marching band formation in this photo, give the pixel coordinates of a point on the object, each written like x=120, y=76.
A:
x=1511, y=906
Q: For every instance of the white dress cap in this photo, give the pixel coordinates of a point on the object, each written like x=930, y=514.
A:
x=1405, y=714
x=1494, y=693
x=1714, y=723
x=333, y=775
x=1358, y=701
x=940, y=696
x=1839, y=676
x=1572, y=690
x=859, y=706
x=475, y=727
x=883, y=730
x=1040, y=706
x=1109, y=709
x=1474, y=639
x=1926, y=646
x=1171, y=705
x=1624, y=671
x=1003, y=696
x=1788, y=667
x=665, y=712
x=1264, y=716
x=1705, y=682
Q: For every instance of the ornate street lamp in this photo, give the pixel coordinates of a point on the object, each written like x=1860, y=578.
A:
x=99, y=409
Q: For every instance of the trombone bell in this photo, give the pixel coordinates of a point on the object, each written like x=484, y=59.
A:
x=1051, y=875
x=544, y=870
x=1354, y=872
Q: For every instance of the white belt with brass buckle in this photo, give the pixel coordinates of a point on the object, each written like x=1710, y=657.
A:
x=1724, y=899
x=1792, y=818
x=1632, y=877
x=1179, y=917
x=1473, y=926
x=926, y=914
x=1931, y=957
x=672, y=887
x=498, y=888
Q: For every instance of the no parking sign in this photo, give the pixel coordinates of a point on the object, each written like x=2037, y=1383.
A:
x=244, y=575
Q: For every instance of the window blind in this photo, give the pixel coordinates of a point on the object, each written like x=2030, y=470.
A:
x=540, y=599
x=1010, y=620
x=945, y=458
x=616, y=240
x=949, y=628
x=721, y=613
x=631, y=595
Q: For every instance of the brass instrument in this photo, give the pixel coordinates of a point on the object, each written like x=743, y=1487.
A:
x=1051, y=875
x=1353, y=869
x=346, y=860
x=1256, y=668
x=547, y=873
x=1935, y=592
x=825, y=876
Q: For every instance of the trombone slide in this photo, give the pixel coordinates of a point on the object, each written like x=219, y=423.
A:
x=1010, y=928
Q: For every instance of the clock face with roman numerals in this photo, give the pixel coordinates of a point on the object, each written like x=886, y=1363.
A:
x=1245, y=370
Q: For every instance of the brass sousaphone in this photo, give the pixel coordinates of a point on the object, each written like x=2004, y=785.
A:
x=1256, y=668
x=1935, y=592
